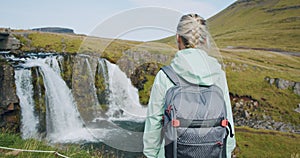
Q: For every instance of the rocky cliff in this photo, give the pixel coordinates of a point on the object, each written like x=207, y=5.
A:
x=8, y=41
x=9, y=102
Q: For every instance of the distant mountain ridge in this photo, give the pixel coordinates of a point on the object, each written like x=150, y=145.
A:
x=54, y=30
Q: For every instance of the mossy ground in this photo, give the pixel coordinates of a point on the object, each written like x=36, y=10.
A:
x=250, y=143
x=265, y=144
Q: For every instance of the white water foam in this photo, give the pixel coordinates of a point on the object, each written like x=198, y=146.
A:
x=62, y=116
x=25, y=93
x=124, y=96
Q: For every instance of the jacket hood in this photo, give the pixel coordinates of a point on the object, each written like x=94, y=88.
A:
x=195, y=66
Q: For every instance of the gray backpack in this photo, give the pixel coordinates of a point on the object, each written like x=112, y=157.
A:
x=194, y=120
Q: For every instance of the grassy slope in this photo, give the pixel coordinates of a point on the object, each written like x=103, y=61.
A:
x=49, y=41
x=271, y=24
x=111, y=49
x=253, y=67
x=260, y=24
x=265, y=144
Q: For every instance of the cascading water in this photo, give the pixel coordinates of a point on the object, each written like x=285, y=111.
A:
x=63, y=120
x=62, y=117
x=53, y=63
x=92, y=85
x=124, y=98
x=25, y=93
x=103, y=68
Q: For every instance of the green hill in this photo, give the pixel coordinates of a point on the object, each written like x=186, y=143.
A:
x=271, y=24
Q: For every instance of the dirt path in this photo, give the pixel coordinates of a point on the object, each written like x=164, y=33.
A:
x=265, y=49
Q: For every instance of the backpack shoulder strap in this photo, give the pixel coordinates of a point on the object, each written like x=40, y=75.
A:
x=172, y=75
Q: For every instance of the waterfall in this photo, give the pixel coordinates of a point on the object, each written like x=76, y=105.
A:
x=63, y=120
x=25, y=93
x=53, y=63
x=62, y=116
x=103, y=69
x=124, y=98
x=60, y=60
x=92, y=85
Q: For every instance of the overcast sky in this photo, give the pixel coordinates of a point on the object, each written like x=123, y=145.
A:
x=86, y=16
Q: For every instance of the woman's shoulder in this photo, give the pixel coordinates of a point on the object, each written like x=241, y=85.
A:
x=162, y=79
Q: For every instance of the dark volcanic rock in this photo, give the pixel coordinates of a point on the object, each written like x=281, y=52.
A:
x=138, y=78
x=8, y=42
x=9, y=102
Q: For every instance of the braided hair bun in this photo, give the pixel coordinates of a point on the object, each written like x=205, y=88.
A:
x=193, y=31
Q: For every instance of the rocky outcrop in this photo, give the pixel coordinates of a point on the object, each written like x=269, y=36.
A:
x=9, y=102
x=138, y=78
x=143, y=74
x=82, y=88
x=8, y=41
x=297, y=88
x=246, y=110
x=284, y=84
x=66, y=65
x=86, y=82
x=39, y=97
x=298, y=109
x=132, y=60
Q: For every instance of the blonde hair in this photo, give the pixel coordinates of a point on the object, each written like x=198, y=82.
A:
x=193, y=31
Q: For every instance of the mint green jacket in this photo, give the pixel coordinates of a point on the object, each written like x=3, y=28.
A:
x=195, y=66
